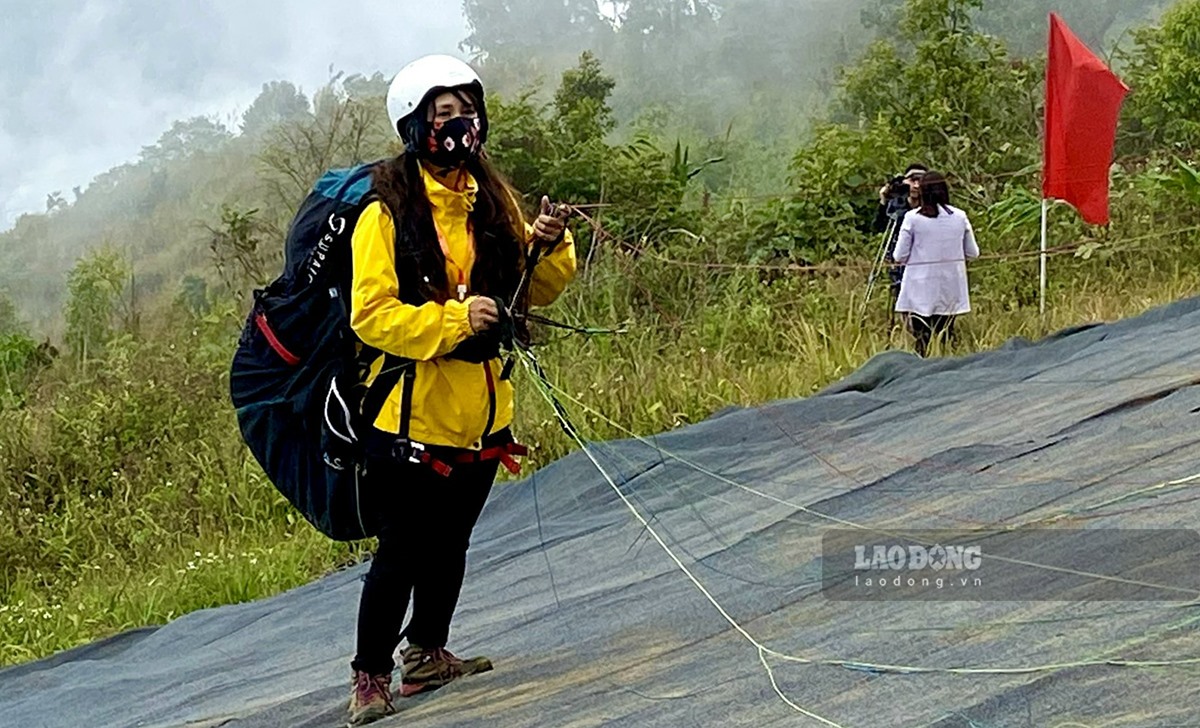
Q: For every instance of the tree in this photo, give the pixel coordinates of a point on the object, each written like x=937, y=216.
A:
x=184, y=139
x=95, y=303
x=55, y=202
x=951, y=94
x=371, y=89
x=193, y=295
x=1163, y=70
x=505, y=30
x=932, y=89
x=669, y=18
x=1098, y=23
x=344, y=129
x=241, y=260
x=521, y=139
x=582, y=101
x=664, y=48
x=561, y=150
x=20, y=357
x=10, y=321
x=1022, y=25
x=279, y=102
x=518, y=42
x=779, y=47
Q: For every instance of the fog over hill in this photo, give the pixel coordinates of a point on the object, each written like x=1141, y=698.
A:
x=87, y=85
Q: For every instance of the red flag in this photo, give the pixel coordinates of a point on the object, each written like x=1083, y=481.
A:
x=1083, y=100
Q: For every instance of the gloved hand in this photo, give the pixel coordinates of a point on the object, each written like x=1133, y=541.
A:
x=495, y=335
x=483, y=313
x=551, y=224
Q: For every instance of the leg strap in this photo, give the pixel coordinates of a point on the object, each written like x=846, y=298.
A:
x=415, y=452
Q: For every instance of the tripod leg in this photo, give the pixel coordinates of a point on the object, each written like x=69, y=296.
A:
x=880, y=256
x=879, y=265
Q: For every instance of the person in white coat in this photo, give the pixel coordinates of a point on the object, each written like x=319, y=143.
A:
x=935, y=242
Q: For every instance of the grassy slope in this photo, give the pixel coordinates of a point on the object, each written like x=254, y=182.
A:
x=127, y=499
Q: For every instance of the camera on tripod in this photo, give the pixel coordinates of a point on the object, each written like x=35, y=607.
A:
x=898, y=187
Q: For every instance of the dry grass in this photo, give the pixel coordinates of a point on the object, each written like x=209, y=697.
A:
x=126, y=497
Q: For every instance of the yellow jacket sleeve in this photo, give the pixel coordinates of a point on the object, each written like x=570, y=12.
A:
x=554, y=270
x=378, y=316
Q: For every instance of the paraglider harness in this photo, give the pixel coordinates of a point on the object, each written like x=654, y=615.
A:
x=405, y=449
x=507, y=338
x=299, y=376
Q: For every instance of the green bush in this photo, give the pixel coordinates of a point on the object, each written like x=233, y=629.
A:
x=1163, y=71
x=126, y=495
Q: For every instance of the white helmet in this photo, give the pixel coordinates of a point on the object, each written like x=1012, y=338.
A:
x=415, y=82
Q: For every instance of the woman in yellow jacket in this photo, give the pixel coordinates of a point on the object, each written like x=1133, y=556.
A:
x=436, y=258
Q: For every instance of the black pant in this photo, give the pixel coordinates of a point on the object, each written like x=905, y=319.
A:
x=422, y=551
x=925, y=328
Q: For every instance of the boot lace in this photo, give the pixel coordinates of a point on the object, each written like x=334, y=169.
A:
x=447, y=664
x=368, y=686
x=441, y=654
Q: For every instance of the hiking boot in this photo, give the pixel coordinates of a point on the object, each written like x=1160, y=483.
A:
x=370, y=698
x=430, y=669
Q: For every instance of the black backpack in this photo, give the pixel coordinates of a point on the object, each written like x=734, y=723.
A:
x=296, y=378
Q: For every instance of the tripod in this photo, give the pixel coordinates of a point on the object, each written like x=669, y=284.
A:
x=881, y=265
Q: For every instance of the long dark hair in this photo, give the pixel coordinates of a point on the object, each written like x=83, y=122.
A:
x=497, y=224
x=935, y=193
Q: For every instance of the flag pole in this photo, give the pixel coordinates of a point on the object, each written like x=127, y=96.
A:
x=1042, y=289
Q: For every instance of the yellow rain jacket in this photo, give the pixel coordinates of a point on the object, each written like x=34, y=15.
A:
x=451, y=403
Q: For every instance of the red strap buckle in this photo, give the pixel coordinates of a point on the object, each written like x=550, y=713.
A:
x=503, y=453
x=414, y=452
x=436, y=465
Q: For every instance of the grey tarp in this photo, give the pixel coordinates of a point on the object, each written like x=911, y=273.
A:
x=590, y=623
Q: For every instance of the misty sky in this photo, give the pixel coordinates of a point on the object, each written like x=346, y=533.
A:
x=85, y=84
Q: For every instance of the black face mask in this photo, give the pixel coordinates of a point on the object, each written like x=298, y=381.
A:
x=453, y=143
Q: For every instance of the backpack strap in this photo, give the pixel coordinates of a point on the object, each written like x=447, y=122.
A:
x=406, y=398
x=394, y=367
x=403, y=449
